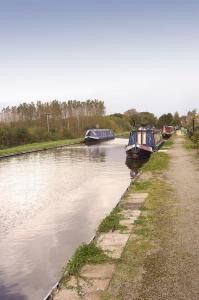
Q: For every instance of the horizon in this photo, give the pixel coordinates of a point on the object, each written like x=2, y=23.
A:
x=133, y=54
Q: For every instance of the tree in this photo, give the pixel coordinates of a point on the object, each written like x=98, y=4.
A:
x=176, y=119
x=147, y=119
x=133, y=117
x=165, y=119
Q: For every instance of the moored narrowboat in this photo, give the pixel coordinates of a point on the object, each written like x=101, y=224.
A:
x=98, y=135
x=167, y=131
x=143, y=142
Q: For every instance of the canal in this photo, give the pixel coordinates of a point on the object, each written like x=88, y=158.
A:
x=51, y=202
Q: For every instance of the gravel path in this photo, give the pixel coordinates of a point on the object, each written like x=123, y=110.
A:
x=173, y=272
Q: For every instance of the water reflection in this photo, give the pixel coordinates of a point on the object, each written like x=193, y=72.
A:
x=51, y=202
x=134, y=165
x=8, y=292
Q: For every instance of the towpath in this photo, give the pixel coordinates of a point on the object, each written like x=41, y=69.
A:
x=171, y=272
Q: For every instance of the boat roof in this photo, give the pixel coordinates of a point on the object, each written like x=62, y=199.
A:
x=94, y=129
x=145, y=129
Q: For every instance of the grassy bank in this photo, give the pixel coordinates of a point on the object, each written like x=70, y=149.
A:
x=124, y=134
x=168, y=143
x=38, y=146
x=158, y=162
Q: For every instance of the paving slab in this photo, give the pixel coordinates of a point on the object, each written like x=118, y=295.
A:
x=137, y=198
x=113, y=251
x=132, y=206
x=67, y=294
x=93, y=285
x=98, y=271
x=113, y=238
x=139, y=195
x=113, y=243
x=131, y=214
x=127, y=222
x=93, y=296
x=72, y=282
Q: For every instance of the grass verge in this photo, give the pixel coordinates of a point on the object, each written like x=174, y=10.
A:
x=124, y=134
x=159, y=161
x=140, y=256
x=189, y=144
x=168, y=144
x=141, y=186
x=38, y=146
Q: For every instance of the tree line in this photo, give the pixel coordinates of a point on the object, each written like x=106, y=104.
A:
x=40, y=121
x=32, y=122
x=138, y=119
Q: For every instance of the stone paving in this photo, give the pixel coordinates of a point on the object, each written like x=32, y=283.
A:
x=113, y=243
x=94, y=279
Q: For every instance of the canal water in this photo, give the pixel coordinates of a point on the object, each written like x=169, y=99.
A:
x=51, y=202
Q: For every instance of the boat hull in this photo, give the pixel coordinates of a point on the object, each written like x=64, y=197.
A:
x=91, y=140
x=166, y=136
x=94, y=136
x=139, y=153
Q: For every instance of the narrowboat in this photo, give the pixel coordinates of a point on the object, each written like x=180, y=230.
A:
x=143, y=142
x=98, y=135
x=167, y=131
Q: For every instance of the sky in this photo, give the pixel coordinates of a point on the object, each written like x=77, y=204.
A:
x=141, y=54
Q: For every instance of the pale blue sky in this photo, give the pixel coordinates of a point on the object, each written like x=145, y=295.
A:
x=132, y=54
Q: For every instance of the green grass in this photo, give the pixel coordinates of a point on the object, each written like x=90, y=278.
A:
x=140, y=221
x=189, y=144
x=169, y=143
x=112, y=221
x=159, y=161
x=141, y=186
x=39, y=146
x=124, y=134
x=85, y=254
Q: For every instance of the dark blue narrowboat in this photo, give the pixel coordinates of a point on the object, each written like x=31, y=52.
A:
x=143, y=142
x=98, y=135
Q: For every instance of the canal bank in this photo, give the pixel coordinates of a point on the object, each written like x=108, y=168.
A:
x=160, y=258
x=37, y=147
x=89, y=272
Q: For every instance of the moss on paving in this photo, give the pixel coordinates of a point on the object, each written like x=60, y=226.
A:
x=85, y=254
x=112, y=221
x=39, y=146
